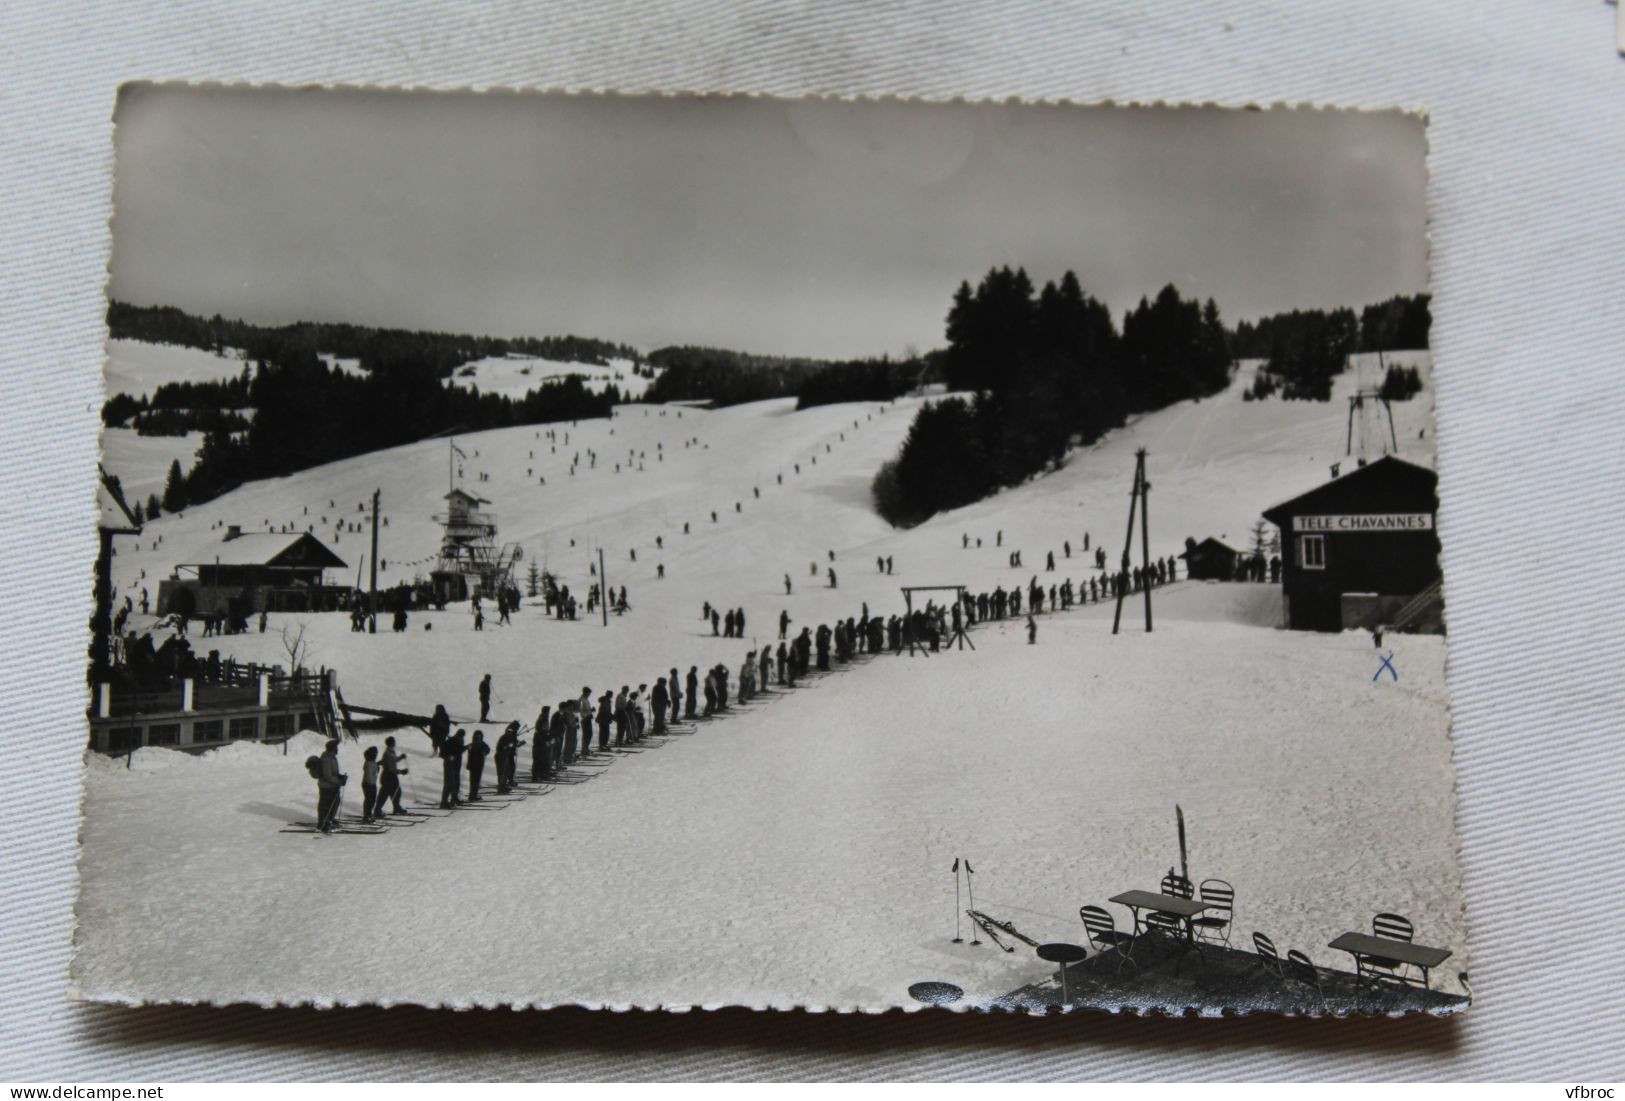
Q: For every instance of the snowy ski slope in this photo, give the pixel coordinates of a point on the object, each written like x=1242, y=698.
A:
x=797, y=853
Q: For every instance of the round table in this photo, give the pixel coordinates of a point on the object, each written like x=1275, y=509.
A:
x=1063, y=954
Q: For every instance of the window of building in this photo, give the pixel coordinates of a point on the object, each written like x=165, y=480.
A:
x=164, y=734
x=245, y=728
x=208, y=730
x=1312, y=552
x=278, y=726
x=122, y=739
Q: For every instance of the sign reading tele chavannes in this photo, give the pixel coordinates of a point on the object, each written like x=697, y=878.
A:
x=1374, y=521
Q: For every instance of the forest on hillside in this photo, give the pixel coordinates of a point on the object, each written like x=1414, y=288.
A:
x=1047, y=370
x=301, y=413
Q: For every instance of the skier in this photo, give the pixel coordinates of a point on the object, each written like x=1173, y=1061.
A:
x=784, y=623
x=832, y=577
x=485, y=698
x=439, y=727
x=675, y=695
x=389, y=790
x=658, y=700
x=477, y=751
x=369, y=782
x=786, y=584
x=327, y=788
x=716, y=620
x=451, y=757
x=1032, y=630
x=584, y=711
x=692, y=686
x=539, y=761
x=605, y=703
x=507, y=755
x=623, y=717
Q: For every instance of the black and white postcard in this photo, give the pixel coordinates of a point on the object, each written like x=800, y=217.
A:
x=710, y=551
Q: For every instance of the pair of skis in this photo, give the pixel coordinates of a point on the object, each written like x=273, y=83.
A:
x=992, y=926
x=982, y=922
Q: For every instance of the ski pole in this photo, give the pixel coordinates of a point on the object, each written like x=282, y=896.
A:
x=970, y=886
x=957, y=912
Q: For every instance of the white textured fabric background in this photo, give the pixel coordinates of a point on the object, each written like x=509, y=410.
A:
x=1527, y=201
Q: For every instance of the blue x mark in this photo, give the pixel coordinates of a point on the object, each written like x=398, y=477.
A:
x=1388, y=664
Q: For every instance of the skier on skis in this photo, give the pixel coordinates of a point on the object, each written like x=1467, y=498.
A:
x=327, y=788
x=477, y=752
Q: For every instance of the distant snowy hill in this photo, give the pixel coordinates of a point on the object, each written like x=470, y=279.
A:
x=515, y=375
x=136, y=368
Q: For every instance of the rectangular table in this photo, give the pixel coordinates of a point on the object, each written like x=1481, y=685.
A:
x=1366, y=946
x=1183, y=908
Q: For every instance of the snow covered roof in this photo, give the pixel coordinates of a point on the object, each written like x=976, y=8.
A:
x=1388, y=483
x=466, y=495
x=1209, y=546
x=265, y=548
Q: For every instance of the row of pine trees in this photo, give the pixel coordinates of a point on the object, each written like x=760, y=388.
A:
x=1048, y=370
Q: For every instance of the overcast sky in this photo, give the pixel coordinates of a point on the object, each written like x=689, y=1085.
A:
x=790, y=227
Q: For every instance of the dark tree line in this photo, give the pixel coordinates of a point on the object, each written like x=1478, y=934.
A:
x=168, y=325
x=1401, y=384
x=1049, y=371
x=1305, y=349
x=860, y=380
x=726, y=377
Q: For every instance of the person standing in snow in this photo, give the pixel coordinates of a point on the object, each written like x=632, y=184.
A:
x=692, y=687
x=540, y=752
x=477, y=751
x=1032, y=630
x=623, y=718
x=439, y=727
x=389, y=789
x=369, y=783
x=784, y=624
x=786, y=584
x=485, y=698
x=605, y=709
x=658, y=700
x=675, y=696
x=327, y=788
x=508, y=746
x=584, y=710
x=451, y=758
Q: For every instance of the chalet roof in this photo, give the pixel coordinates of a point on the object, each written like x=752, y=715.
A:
x=113, y=515
x=1209, y=546
x=266, y=548
x=1388, y=484
x=466, y=495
